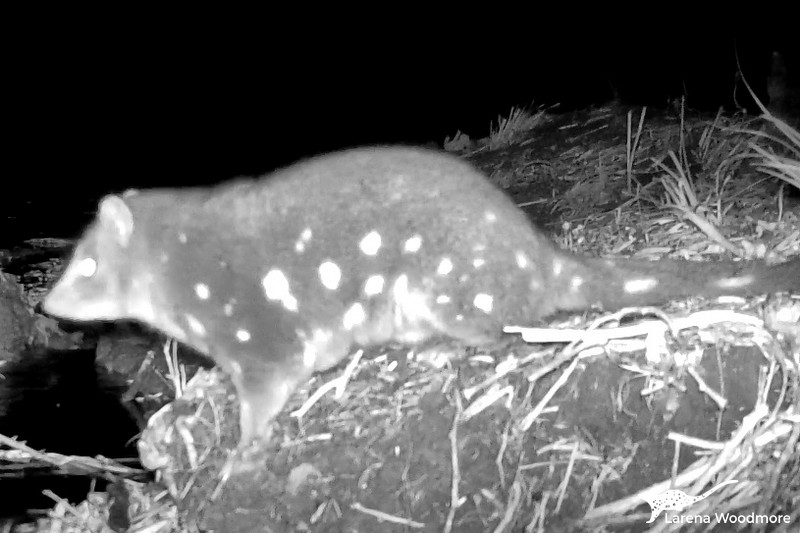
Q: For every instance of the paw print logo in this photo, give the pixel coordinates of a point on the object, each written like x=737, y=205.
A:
x=677, y=500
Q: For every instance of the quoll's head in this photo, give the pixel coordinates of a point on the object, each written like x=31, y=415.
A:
x=97, y=283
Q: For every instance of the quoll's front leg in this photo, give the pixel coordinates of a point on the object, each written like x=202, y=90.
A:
x=263, y=389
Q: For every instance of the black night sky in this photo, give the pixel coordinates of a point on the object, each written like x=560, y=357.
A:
x=92, y=112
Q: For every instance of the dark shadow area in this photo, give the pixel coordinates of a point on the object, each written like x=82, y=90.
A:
x=59, y=401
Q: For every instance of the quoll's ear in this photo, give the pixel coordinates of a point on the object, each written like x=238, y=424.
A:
x=116, y=215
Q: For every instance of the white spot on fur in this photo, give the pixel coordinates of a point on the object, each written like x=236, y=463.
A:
x=300, y=244
x=477, y=263
x=276, y=287
x=227, y=309
x=479, y=247
x=442, y=299
x=636, y=286
x=202, y=291
x=242, y=335
x=374, y=285
x=575, y=283
x=400, y=288
x=371, y=243
x=735, y=283
x=320, y=336
x=489, y=216
x=320, y=339
x=558, y=266
x=445, y=267
x=330, y=275
x=411, y=311
x=459, y=318
x=413, y=244
x=311, y=347
x=195, y=325
x=182, y=238
x=309, y=354
x=484, y=302
x=86, y=267
x=522, y=259
x=353, y=316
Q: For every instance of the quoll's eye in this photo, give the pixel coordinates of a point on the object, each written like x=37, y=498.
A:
x=87, y=267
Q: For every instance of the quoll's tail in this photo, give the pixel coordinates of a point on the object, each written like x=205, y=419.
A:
x=617, y=283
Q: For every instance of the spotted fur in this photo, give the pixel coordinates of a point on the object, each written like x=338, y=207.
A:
x=281, y=276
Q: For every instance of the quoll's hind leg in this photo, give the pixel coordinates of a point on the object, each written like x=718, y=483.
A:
x=263, y=389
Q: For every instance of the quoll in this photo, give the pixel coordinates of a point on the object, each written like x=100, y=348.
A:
x=280, y=276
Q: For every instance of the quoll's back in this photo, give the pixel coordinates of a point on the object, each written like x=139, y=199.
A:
x=278, y=277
